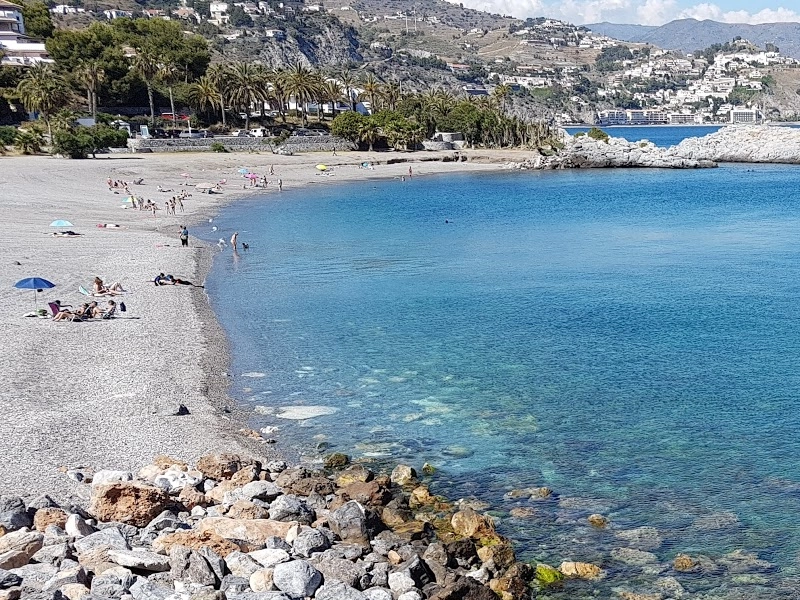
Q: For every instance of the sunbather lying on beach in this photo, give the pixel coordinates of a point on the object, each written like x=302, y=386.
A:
x=162, y=279
x=66, y=315
x=99, y=289
x=110, y=312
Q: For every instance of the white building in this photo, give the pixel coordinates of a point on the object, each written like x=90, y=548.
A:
x=744, y=115
x=17, y=48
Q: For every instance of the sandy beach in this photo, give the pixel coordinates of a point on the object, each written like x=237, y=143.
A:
x=99, y=394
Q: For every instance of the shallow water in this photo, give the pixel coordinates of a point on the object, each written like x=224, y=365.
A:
x=628, y=338
x=661, y=135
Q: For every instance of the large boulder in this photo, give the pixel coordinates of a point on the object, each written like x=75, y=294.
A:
x=340, y=570
x=249, y=534
x=13, y=514
x=339, y=591
x=465, y=588
x=196, y=540
x=580, y=570
x=126, y=502
x=47, y=516
x=23, y=542
x=297, y=578
x=221, y=466
x=353, y=523
x=139, y=559
x=290, y=508
x=470, y=524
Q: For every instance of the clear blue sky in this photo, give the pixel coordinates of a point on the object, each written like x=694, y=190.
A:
x=646, y=12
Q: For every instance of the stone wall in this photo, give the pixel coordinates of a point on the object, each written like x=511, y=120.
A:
x=294, y=144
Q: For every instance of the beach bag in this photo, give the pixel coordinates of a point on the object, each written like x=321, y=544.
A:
x=122, y=307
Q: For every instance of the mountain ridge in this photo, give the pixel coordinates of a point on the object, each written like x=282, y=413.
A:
x=688, y=35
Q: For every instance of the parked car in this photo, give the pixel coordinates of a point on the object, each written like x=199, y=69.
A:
x=239, y=133
x=259, y=132
x=191, y=134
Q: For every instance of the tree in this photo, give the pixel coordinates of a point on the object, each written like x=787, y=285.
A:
x=500, y=94
x=90, y=73
x=28, y=142
x=219, y=76
x=36, y=15
x=248, y=86
x=372, y=88
x=168, y=73
x=301, y=84
x=348, y=126
x=369, y=132
x=239, y=18
x=42, y=90
x=347, y=79
x=331, y=92
x=146, y=64
x=205, y=95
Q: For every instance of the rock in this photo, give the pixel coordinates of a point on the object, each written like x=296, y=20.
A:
x=338, y=591
x=8, y=579
x=191, y=498
x=308, y=485
x=309, y=541
x=108, y=476
x=337, y=460
x=631, y=556
x=147, y=590
x=547, y=575
x=366, y=492
x=105, y=539
x=35, y=576
x=403, y=475
x=233, y=584
x=244, y=509
x=195, y=540
x=26, y=542
x=353, y=474
x=220, y=466
x=410, y=595
x=580, y=570
x=11, y=594
x=251, y=532
x=140, y=559
x=642, y=538
x=53, y=554
x=245, y=475
x=297, y=578
x=132, y=503
x=112, y=583
x=501, y=553
x=191, y=566
x=13, y=514
x=261, y=490
x=241, y=565
x=377, y=593
x=49, y=516
x=174, y=479
x=468, y=523
x=290, y=508
x=261, y=580
x=13, y=559
x=598, y=521
x=74, y=591
x=464, y=588
x=340, y=570
x=353, y=523
x=463, y=552
x=269, y=557
x=76, y=527
x=66, y=576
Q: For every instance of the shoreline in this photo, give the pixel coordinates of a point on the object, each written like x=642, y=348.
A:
x=99, y=394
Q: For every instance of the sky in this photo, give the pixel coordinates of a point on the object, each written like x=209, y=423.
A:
x=645, y=12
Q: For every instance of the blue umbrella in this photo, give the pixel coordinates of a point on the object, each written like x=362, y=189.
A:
x=60, y=223
x=37, y=284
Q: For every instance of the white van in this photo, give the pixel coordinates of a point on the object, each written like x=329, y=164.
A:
x=259, y=132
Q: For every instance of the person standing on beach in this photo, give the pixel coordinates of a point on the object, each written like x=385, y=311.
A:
x=410, y=173
x=280, y=185
x=272, y=170
x=234, y=238
x=334, y=150
x=184, y=236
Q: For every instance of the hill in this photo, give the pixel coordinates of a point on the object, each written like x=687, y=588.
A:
x=688, y=35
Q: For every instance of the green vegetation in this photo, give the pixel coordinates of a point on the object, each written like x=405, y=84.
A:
x=7, y=135
x=740, y=96
x=610, y=59
x=218, y=147
x=598, y=134
x=548, y=576
x=79, y=142
x=36, y=15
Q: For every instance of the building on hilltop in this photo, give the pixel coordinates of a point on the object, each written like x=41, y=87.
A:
x=18, y=49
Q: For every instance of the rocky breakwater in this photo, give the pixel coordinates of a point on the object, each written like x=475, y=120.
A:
x=583, y=152
x=233, y=528
x=745, y=143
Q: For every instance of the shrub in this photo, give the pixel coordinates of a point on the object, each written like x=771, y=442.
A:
x=348, y=125
x=598, y=134
x=7, y=135
x=28, y=142
x=580, y=134
x=82, y=141
x=218, y=147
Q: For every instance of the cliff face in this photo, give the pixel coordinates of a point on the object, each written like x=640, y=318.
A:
x=326, y=45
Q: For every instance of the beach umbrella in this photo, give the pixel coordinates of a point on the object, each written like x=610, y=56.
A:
x=252, y=176
x=322, y=167
x=60, y=223
x=37, y=284
x=244, y=171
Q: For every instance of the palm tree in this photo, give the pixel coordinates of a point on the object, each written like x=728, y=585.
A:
x=371, y=87
x=500, y=93
x=416, y=134
x=369, y=132
x=277, y=91
x=168, y=74
x=247, y=88
x=42, y=90
x=390, y=94
x=28, y=142
x=64, y=120
x=219, y=76
x=301, y=83
x=90, y=73
x=331, y=92
x=204, y=95
x=348, y=80
x=146, y=64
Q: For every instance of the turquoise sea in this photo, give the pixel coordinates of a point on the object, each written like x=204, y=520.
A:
x=663, y=135
x=628, y=338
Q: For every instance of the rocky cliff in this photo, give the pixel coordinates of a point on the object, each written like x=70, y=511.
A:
x=745, y=143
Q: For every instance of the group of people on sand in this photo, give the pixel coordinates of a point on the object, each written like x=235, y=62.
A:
x=88, y=310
